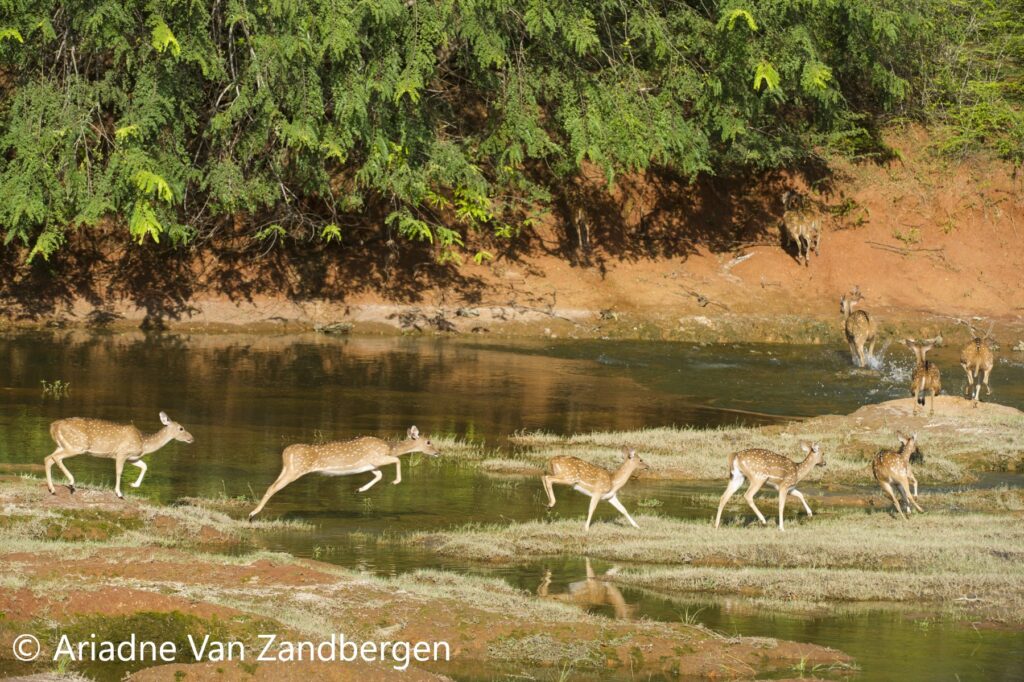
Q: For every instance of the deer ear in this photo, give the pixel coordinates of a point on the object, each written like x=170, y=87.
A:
x=805, y=447
x=629, y=452
x=164, y=419
x=913, y=437
x=903, y=439
x=413, y=433
x=816, y=447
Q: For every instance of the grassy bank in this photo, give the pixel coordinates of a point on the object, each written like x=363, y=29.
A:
x=957, y=441
x=89, y=563
x=947, y=559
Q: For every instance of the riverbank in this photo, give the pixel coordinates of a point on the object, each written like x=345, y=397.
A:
x=927, y=240
x=89, y=563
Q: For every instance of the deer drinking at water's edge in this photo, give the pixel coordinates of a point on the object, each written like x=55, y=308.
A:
x=592, y=480
x=764, y=466
x=119, y=442
x=893, y=467
x=357, y=456
x=859, y=327
x=977, y=360
x=926, y=373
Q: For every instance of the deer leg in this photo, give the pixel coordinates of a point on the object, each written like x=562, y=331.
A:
x=594, y=499
x=800, y=496
x=734, y=484
x=142, y=467
x=283, y=479
x=970, y=380
x=614, y=501
x=55, y=458
x=547, y=481
x=783, y=493
x=377, y=475
x=755, y=485
x=988, y=391
x=871, y=347
x=913, y=479
x=118, y=470
x=905, y=484
x=887, y=487
x=860, y=354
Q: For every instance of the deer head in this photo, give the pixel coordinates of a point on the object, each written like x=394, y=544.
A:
x=908, y=447
x=813, y=452
x=178, y=431
x=631, y=457
x=423, y=445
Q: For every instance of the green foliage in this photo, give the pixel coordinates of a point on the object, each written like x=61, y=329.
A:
x=458, y=120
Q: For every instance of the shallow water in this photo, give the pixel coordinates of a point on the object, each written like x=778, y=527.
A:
x=245, y=397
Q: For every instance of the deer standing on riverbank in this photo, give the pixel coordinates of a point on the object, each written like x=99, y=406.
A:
x=977, y=360
x=357, y=456
x=764, y=466
x=926, y=373
x=596, y=482
x=800, y=226
x=119, y=442
x=893, y=467
x=859, y=327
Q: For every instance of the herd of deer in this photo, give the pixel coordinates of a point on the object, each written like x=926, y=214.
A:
x=126, y=444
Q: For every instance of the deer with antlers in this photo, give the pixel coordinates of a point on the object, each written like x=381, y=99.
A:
x=977, y=359
x=800, y=226
x=892, y=467
x=119, y=442
x=596, y=482
x=764, y=466
x=357, y=456
x=859, y=327
x=926, y=373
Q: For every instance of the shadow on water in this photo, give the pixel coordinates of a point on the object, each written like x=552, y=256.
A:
x=245, y=397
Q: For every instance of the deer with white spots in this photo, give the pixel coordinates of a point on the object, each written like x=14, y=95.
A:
x=892, y=467
x=764, y=466
x=345, y=458
x=119, y=442
x=596, y=482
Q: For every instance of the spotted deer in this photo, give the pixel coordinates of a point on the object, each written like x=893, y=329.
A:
x=108, y=440
x=764, y=466
x=977, y=360
x=926, y=373
x=591, y=592
x=596, y=482
x=800, y=226
x=345, y=458
x=859, y=327
x=892, y=467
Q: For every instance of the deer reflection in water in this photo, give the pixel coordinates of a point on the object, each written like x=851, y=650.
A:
x=593, y=591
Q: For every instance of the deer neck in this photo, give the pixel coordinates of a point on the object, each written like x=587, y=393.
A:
x=155, y=441
x=622, y=474
x=906, y=453
x=403, y=447
x=805, y=466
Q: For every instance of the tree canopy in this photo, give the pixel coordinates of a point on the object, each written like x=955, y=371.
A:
x=174, y=118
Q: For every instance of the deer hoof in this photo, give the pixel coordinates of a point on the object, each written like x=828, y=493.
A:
x=71, y=488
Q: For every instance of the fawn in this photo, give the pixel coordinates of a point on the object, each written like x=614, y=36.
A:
x=800, y=226
x=893, y=467
x=596, y=482
x=926, y=373
x=977, y=360
x=764, y=466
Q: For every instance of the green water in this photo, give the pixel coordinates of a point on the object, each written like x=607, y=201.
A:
x=246, y=397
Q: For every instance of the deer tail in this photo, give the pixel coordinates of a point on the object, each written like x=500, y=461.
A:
x=729, y=462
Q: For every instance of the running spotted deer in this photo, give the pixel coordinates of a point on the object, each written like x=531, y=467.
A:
x=859, y=327
x=765, y=466
x=594, y=481
x=119, y=442
x=801, y=226
x=593, y=591
x=345, y=458
x=892, y=467
x=977, y=360
x=926, y=373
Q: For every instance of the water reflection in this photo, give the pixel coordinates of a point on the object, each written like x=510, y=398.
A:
x=593, y=592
